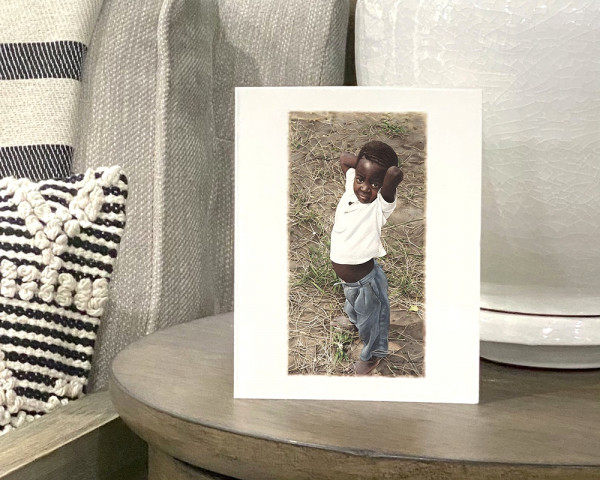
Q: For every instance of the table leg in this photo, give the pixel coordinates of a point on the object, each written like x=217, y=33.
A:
x=162, y=466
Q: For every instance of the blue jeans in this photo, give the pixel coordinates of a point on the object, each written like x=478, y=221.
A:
x=368, y=308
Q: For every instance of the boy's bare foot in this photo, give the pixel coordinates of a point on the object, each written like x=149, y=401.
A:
x=363, y=367
x=343, y=322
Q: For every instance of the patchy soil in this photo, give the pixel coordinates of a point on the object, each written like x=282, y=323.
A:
x=316, y=183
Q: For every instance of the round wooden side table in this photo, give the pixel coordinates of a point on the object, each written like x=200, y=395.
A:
x=174, y=388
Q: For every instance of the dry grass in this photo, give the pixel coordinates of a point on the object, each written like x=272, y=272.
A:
x=316, y=184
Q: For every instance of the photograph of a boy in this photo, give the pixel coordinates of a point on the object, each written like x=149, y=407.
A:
x=369, y=199
x=356, y=243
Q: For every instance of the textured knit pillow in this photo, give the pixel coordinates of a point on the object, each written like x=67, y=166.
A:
x=58, y=244
x=42, y=50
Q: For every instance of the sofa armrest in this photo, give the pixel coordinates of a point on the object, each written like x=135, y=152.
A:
x=146, y=105
x=85, y=439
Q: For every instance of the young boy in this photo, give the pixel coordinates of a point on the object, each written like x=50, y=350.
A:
x=369, y=199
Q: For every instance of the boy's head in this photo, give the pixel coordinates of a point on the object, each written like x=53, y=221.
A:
x=379, y=153
x=374, y=159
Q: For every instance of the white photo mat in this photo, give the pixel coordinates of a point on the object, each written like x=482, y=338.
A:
x=452, y=281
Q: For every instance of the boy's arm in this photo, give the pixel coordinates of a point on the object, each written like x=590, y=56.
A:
x=347, y=160
x=392, y=179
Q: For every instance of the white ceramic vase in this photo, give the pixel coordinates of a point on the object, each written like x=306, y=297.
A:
x=538, y=64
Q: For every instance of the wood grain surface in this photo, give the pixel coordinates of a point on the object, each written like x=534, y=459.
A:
x=83, y=440
x=165, y=467
x=175, y=389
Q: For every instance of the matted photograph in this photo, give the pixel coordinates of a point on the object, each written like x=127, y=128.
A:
x=357, y=243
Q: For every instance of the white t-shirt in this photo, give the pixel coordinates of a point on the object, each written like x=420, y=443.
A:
x=356, y=234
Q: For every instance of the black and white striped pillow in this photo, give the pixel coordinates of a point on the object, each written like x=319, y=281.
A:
x=42, y=49
x=58, y=244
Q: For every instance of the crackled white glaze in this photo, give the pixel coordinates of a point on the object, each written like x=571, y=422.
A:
x=539, y=330
x=538, y=64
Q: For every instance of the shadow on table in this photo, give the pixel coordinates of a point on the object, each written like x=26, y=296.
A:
x=500, y=382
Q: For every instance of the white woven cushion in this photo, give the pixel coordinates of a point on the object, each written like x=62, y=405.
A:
x=58, y=245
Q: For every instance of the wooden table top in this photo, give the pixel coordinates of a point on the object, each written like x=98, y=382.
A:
x=175, y=389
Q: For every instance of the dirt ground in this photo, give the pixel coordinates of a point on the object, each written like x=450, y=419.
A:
x=316, y=345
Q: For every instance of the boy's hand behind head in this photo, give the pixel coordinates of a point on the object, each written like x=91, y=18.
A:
x=395, y=174
x=347, y=161
x=393, y=177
